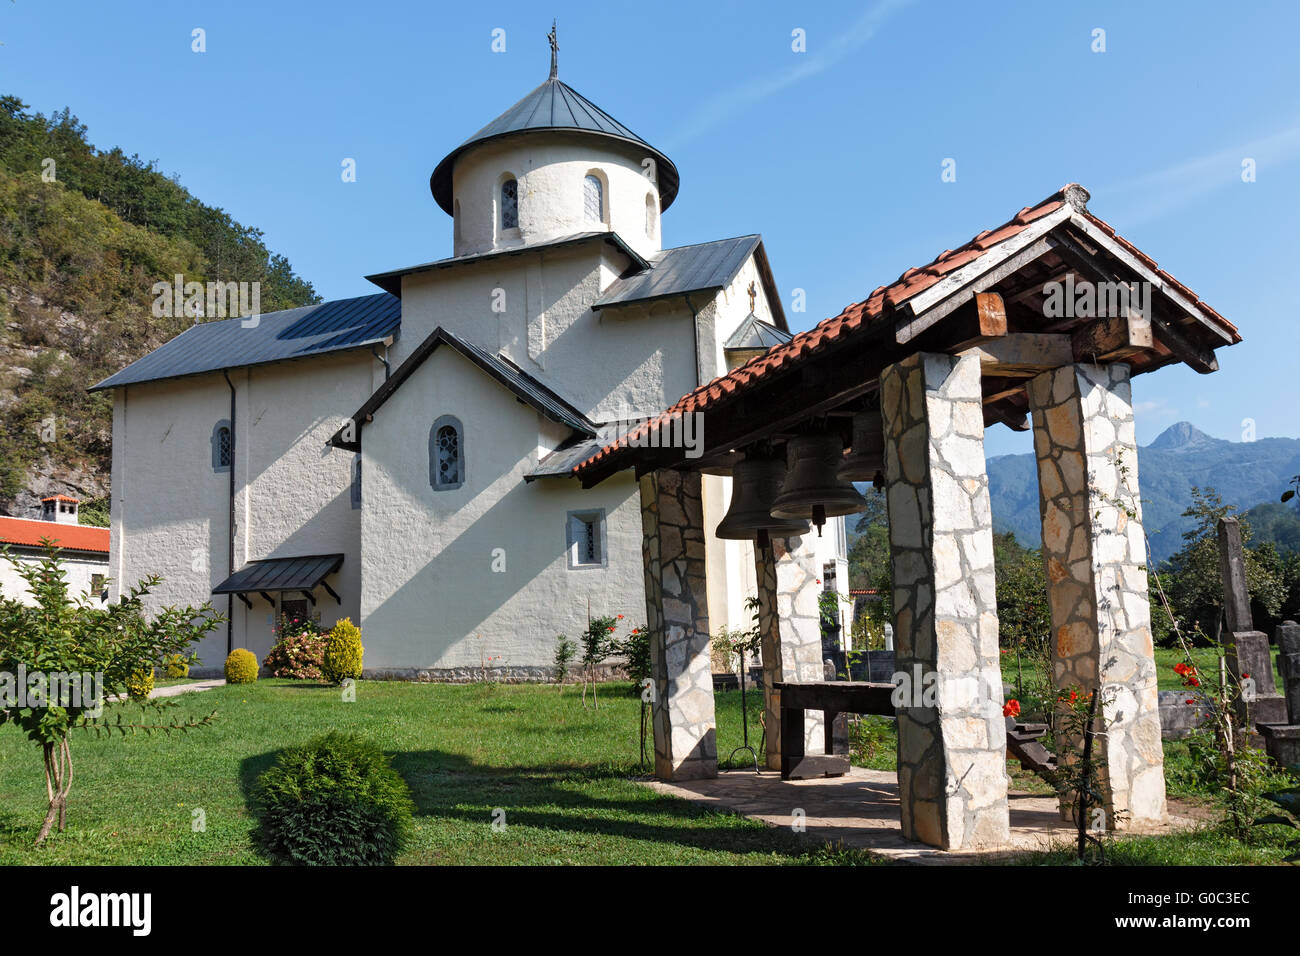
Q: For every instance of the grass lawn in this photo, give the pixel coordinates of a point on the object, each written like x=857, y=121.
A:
x=561, y=774
x=1205, y=658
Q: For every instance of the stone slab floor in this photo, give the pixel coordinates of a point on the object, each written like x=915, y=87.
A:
x=861, y=810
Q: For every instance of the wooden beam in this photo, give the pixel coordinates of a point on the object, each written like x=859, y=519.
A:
x=337, y=599
x=1110, y=340
x=1007, y=414
x=1168, y=332
x=1023, y=354
x=1198, y=357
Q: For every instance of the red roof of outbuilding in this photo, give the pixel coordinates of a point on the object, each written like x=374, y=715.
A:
x=889, y=297
x=75, y=501
x=24, y=532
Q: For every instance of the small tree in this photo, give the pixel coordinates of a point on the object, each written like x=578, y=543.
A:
x=598, y=643
x=565, y=651
x=66, y=646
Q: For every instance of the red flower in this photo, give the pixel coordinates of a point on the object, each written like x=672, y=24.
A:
x=1193, y=682
x=1011, y=708
x=1074, y=695
x=620, y=617
x=1245, y=677
x=1190, y=701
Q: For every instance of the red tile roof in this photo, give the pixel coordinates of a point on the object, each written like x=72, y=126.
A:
x=75, y=501
x=27, y=533
x=862, y=314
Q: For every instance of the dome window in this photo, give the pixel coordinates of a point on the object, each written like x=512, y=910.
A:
x=593, y=198
x=510, y=204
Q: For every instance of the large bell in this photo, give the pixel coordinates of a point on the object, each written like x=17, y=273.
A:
x=755, y=482
x=812, y=490
x=866, y=461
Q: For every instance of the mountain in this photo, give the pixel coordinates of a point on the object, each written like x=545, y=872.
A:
x=84, y=235
x=1245, y=474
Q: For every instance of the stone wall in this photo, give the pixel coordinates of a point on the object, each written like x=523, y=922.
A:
x=951, y=747
x=789, y=621
x=677, y=614
x=1095, y=556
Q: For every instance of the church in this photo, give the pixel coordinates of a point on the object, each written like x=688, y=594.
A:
x=406, y=458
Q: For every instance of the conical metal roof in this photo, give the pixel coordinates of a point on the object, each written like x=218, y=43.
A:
x=554, y=106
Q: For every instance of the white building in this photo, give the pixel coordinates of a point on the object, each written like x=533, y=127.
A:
x=83, y=550
x=403, y=458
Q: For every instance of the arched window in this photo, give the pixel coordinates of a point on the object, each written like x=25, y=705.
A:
x=446, y=454
x=510, y=204
x=651, y=215
x=223, y=446
x=593, y=198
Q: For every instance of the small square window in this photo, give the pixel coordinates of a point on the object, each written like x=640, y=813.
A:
x=586, y=539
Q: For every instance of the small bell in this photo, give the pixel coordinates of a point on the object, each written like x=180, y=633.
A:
x=755, y=483
x=812, y=490
x=866, y=461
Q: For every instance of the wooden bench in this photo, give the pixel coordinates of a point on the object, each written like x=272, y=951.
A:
x=834, y=699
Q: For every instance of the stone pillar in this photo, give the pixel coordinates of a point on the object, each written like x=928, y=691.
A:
x=672, y=549
x=1095, y=556
x=952, y=779
x=789, y=620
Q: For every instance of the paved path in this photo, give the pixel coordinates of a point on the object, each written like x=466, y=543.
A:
x=861, y=810
x=175, y=690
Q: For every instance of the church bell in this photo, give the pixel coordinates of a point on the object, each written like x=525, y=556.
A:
x=755, y=483
x=866, y=462
x=812, y=490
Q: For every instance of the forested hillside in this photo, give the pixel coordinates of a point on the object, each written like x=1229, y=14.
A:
x=84, y=235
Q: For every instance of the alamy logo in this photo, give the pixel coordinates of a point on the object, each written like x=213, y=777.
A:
x=684, y=431
x=209, y=300
x=78, y=689
x=1096, y=300
x=74, y=908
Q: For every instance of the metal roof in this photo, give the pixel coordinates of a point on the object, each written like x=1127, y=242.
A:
x=554, y=105
x=701, y=267
x=391, y=281
x=525, y=388
x=561, y=462
x=281, y=574
x=755, y=335
x=291, y=334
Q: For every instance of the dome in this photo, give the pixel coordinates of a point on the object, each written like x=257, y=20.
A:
x=553, y=106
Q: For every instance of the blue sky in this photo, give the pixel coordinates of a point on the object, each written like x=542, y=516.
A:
x=833, y=154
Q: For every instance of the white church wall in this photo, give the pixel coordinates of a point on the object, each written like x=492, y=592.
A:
x=170, y=508
x=549, y=172
x=611, y=364
x=77, y=572
x=432, y=599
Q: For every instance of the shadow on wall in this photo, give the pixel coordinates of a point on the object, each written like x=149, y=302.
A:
x=451, y=617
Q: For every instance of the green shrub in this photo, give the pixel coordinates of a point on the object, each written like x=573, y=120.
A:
x=335, y=801
x=241, y=667
x=175, y=667
x=299, y=653
x=343, y=652
x=140, y=684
